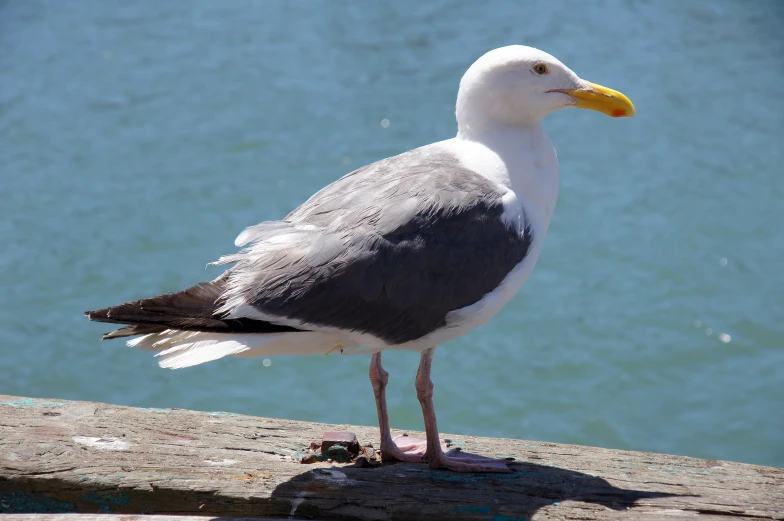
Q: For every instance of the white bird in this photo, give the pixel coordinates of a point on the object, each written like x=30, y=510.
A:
x=405, y=253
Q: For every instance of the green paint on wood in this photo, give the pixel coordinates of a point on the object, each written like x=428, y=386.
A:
x=338, y=453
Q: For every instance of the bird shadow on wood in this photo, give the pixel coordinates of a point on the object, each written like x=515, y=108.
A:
x=400, y=491
x=413, y=491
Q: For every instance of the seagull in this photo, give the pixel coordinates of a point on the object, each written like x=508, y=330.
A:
x=406, y=253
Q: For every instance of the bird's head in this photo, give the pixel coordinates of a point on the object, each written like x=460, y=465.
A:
x=519, y=85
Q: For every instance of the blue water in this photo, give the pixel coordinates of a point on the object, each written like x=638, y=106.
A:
x=138, y=138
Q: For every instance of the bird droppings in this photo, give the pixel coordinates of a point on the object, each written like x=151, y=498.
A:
x=296, y=503
x=220, y=463
x=332, y=475
x=102, y=443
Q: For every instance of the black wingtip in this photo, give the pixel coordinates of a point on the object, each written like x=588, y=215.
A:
x=92, y=315
x=99, y=314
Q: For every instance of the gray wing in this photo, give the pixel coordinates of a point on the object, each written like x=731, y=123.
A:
x=389, y=250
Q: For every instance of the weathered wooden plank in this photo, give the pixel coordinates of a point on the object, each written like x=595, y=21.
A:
x=58, y=456
x=159, y=517
x=128, y=517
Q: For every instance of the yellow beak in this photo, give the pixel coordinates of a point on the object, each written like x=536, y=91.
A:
x=602, y=99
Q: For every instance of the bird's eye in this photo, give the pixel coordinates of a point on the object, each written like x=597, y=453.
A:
x=540, y=68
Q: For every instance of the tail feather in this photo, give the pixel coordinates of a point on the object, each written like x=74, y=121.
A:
x=134, y=330
x=187, y=328
x=178, y=349
x=193, y=309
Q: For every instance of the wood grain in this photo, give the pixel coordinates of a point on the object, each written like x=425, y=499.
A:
x=60, y=456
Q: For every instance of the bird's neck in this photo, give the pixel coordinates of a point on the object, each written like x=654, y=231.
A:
x=530, y=165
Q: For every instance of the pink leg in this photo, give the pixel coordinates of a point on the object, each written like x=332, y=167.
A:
x=401, y=448
x=434, y=455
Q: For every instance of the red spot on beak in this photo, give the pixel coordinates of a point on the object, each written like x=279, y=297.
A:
x=618, y=113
